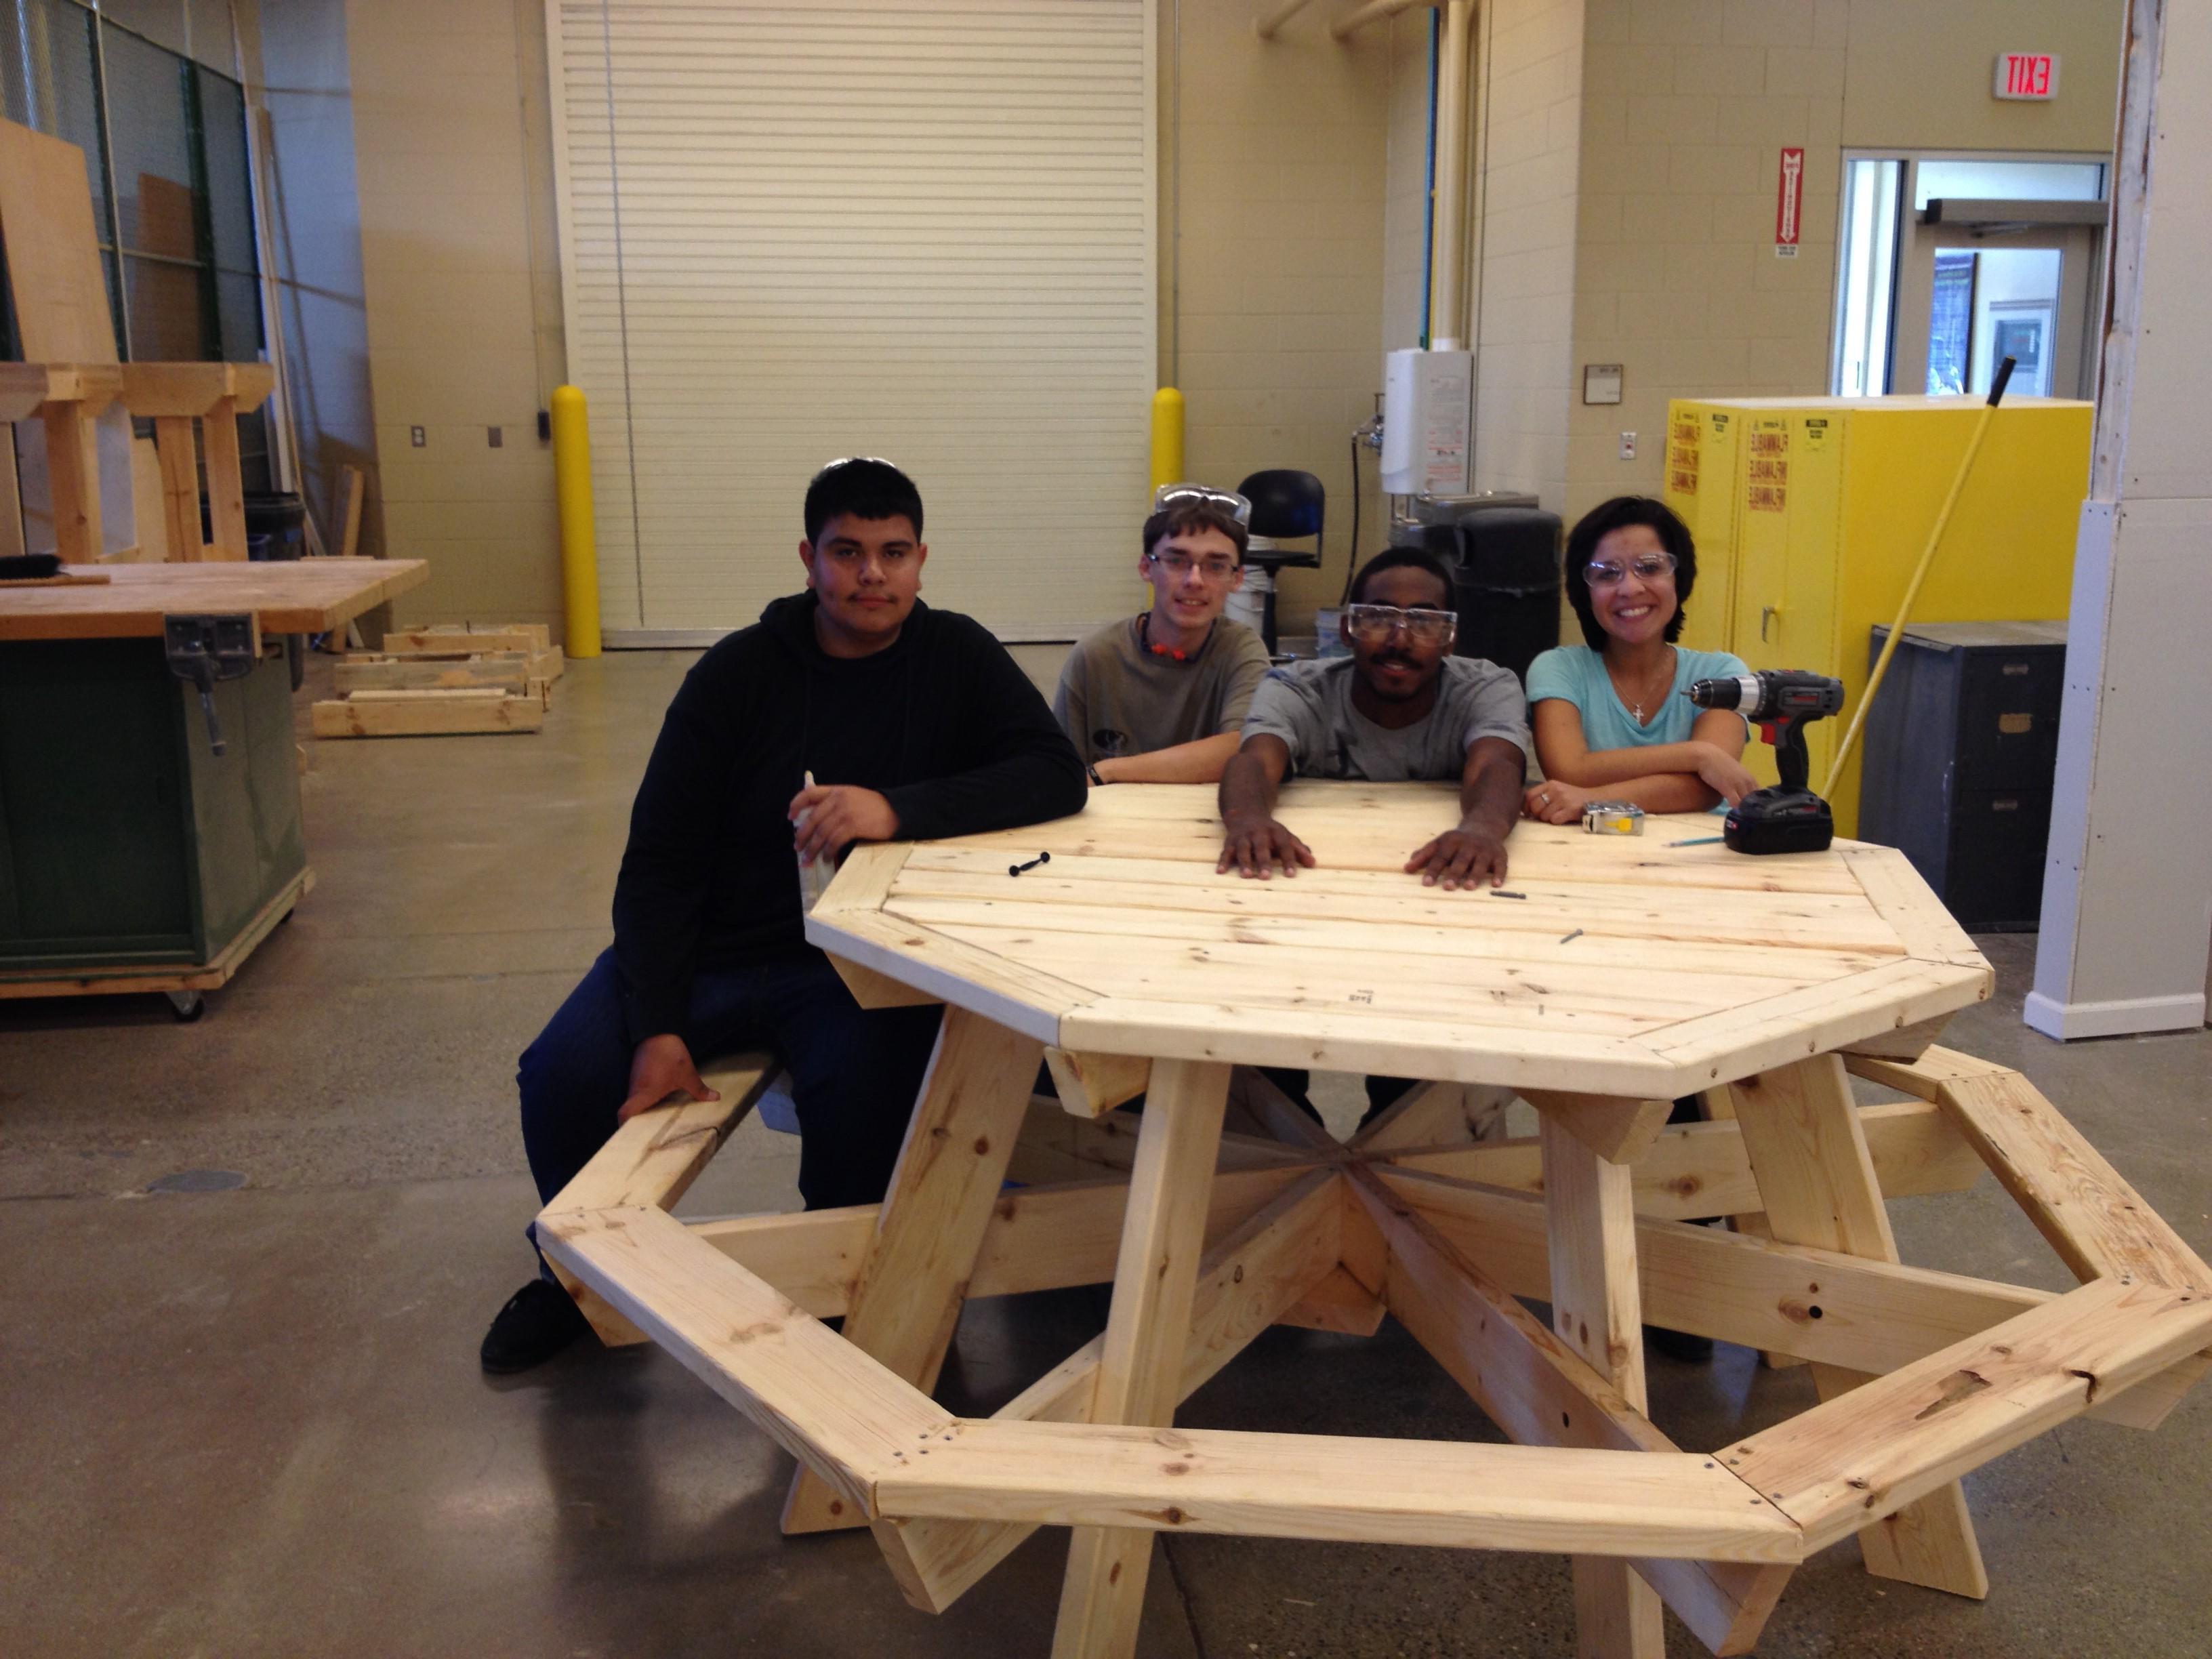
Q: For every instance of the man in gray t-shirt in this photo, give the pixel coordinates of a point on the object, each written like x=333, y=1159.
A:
x=1160, y=697
x=1401, y=707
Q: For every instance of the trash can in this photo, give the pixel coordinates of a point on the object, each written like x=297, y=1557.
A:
x=1508, y=586
x=281, y=518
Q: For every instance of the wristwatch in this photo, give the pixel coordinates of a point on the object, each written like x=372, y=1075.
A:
x=1091, y=772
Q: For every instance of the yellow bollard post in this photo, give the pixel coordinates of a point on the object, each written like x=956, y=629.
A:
x=1166, y=437
x=580, y=556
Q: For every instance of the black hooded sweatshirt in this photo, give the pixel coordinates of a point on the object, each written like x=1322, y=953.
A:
x=941, y=722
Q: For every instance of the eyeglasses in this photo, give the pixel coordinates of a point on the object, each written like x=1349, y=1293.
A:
x=1179, y=565
x=1168, y=497
x=1373, y=624
x=1646, y=567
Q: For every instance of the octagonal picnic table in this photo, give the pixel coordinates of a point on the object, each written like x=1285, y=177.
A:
x=1608, y=977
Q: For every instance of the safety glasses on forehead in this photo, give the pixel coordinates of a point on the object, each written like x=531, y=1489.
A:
x=1168, y=497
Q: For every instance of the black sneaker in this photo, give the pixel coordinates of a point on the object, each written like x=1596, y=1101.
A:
x=538, y=1320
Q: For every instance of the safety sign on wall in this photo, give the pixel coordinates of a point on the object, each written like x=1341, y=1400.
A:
x=1788, y=203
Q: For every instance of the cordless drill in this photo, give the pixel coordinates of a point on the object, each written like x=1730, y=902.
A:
x=1781, y=701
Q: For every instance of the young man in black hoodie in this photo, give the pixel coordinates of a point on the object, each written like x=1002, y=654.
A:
x=911, y=724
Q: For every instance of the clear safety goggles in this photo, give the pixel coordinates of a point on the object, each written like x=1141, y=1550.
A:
x=1168, y=497
x=1374, y=624
x=1645, y=566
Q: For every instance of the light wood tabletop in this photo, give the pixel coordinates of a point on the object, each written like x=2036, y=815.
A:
x=1616, y=965
x=303, y=596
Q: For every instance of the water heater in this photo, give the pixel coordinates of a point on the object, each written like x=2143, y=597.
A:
x=1428, y=422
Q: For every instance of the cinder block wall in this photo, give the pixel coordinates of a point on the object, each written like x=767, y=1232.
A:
x=1275, y=158
x=1529, y=111
x=1686, y=107
x=462, y=281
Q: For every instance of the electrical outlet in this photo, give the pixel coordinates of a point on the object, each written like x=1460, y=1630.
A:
x=1628, y=446
x=415, y=436
x=495, y=437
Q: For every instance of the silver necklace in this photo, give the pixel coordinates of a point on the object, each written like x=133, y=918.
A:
x=1636, y=708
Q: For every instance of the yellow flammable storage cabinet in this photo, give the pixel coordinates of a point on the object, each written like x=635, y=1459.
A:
x=1704, y=487
x=1824, y=506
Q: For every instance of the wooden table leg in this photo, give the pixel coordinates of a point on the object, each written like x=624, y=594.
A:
x=1596, y=1310
x=177, y=450
x=73, y=480
x=1809, y=1154
x=906, y=1297
x=226, y=490
x=1154, y=1280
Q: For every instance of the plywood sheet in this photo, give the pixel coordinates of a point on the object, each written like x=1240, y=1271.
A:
x=53, y=253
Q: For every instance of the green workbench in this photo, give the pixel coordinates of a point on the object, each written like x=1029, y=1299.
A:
x=132, y=856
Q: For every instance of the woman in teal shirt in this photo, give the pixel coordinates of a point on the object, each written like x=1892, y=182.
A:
x=1609, y=718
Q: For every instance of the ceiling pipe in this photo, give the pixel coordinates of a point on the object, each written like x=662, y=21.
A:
x=1448, y=258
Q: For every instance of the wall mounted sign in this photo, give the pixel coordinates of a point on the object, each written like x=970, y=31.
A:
x=1789, y=202
x=1602, y=383
x=2028, y=75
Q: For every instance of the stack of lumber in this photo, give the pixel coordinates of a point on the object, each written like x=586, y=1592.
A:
x=430, y=681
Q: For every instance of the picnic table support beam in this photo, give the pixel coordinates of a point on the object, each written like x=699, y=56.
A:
x=1154, y=1284
x=1596, y=1311
x=1816, y=1178
x=906, y=1299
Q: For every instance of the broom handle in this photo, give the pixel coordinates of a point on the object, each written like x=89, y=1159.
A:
x=1919, y=575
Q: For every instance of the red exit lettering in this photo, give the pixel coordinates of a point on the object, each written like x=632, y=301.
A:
x=2031, y=74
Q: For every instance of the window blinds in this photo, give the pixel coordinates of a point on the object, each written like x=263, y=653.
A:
x=890, y=227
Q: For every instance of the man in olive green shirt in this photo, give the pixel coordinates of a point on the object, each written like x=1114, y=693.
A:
x=1161, y=697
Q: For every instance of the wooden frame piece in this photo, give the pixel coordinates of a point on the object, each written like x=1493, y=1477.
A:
x=906, y=1297
x=1694, y=1170
x=1091, y=1085
x=1618, y=1131
x=1140, y=1365
x=1211, y=1238
x=1245, y=1284
x=1597, y=1310
x=1541, y=1394
x=1802, y=1133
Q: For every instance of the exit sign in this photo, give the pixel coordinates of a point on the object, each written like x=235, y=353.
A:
x=2031, y=74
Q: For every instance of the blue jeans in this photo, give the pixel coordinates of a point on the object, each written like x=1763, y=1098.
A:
x=855, y=1073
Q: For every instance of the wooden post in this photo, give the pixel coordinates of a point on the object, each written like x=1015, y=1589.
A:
x=72, y=480
x=356, y=489
x=1154, y=1283
x=226, y=491
x=1817, y=1184
x=906, y=1299
x=1596, y=1311
x=180, y=487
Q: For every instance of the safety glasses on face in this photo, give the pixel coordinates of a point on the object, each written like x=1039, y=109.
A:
x=1176, y=564
x=1374, y=624
x=1646, y=568
x=1168, y=497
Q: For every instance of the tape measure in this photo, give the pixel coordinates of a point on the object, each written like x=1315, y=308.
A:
x=1613, y=817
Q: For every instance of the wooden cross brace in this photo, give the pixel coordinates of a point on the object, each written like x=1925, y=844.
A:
x=1212, y=1236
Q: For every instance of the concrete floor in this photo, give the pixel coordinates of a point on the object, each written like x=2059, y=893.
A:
x=252, y=1421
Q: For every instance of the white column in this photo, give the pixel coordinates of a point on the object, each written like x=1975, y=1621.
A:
x=2127, y=893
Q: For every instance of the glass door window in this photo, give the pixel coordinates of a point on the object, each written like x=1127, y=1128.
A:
x=1932, y=305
